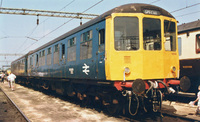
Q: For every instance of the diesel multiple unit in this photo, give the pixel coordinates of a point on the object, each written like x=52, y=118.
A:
x=125, y=58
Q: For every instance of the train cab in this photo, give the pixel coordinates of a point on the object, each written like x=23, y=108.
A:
x=141, y=44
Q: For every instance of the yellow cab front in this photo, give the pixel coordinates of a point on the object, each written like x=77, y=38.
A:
x=141, y=46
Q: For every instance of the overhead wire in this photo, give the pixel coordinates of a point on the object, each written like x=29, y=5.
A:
x=27, y=39
x=40, y=24
x=93, y=6
x=185, y=7
x=62, y=25
x=154, y=1
x=187, y=14
x=70, y=20
x=58, y=10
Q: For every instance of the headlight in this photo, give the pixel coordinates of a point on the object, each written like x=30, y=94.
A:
x=173, y=69
x=127, y=70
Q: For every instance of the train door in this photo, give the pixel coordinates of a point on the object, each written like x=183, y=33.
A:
x=25, y=65
x=63, y=60
x=101, y=54
x=62, y=56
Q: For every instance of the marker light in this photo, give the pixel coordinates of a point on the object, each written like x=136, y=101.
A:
x=127, y=70
x=173, y=69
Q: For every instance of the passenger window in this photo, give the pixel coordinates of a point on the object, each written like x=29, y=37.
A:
x=43, y=53
x=86, y=45
x=71, y=51
x=37, y=59
x=56, y=54
x=40, y=54
x=56, y=48
x=101, y=40
x=42, y=58
x=33, y=60
x=180, y=46
x=87, y=36
x=198, y=43
x=49, y=52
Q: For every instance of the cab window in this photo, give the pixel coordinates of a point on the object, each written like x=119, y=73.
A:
x=126, y=33
x=151, y=34
x=170, y=35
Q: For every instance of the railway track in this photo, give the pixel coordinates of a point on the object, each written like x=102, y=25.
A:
x=9, y=111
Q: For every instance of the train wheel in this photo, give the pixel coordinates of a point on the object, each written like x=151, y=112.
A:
x=45, y=85
x=53, y=85
x=70, y=90
x=86, y=101
x=112, y=104
x=27, y=82
x=113, y=108
x=19, y=81
x=98, y=102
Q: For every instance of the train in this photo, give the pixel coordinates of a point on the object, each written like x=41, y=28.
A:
x=189, y=53
x=125, y=59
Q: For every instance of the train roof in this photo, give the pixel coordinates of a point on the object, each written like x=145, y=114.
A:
x=128, y=8
x=22, y=57
x=191, y=26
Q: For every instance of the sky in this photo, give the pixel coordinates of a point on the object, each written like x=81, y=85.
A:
x=18, y=33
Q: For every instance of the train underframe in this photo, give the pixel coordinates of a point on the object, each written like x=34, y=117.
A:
x=126, y=97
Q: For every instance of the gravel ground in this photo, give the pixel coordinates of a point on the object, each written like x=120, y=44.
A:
x=39, y=107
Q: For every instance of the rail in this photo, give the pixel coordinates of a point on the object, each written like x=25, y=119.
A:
x=15, y=106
